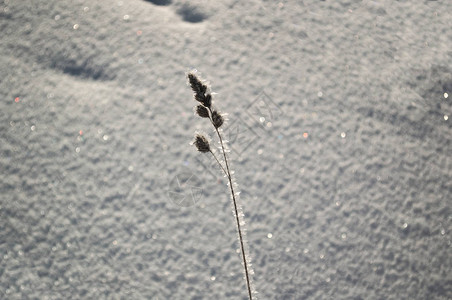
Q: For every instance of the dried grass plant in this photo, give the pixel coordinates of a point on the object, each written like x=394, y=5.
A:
x=205, y=110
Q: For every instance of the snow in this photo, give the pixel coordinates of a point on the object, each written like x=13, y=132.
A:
x=338, y=126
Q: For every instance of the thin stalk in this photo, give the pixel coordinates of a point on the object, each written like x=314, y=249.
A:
x=242, y=248
x=221, y=166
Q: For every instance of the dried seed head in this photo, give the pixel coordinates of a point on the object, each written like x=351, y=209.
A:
x=200, y=90
x=217, y=119
x=202, y=111
x=201, y=143
x=196, y=85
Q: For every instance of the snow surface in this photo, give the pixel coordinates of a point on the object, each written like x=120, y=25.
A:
x=338, y=125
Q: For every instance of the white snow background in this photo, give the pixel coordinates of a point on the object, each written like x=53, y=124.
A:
x=339, y=132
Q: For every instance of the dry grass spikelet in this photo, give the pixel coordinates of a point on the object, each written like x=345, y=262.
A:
x=217, y=119
x=200, y=90
x=201, y=143
x=202, y=111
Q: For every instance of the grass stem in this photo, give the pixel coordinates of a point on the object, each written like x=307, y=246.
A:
x=204, y=110
x=237, y=218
